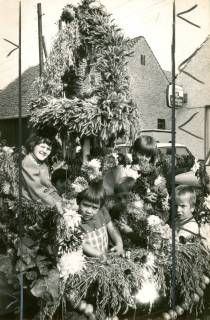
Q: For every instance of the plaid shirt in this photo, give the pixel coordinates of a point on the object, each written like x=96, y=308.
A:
x=96, y=234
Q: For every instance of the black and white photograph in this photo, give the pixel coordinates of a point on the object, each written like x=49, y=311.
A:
x=105, y=160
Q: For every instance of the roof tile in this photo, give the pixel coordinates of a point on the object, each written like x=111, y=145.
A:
x=9, y=96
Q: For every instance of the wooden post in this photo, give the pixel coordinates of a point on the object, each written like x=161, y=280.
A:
x=20, y=160
x=173, y=164
x=39, y=13
x=44, y=47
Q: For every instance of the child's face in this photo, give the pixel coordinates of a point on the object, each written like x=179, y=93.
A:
x=42, y=151
x=184, y=208
x=88, y=209
x=60, y=186
x=139, y=157
x=122, y=197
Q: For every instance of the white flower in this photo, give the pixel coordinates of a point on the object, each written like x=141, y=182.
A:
x=165, y=202
x=130, y=172
x=166, y=232
x=96, y=163
x=154, y=220
x=159, y=181
x=95, y=5
x=139, y=204
x=70, y=214
x=92, y=169
x=78, y=149
x=129, y=155
x=150, y=259
x=7, y=150
x=71, y=263
x=196, y=166
x=79, y=184
x=115, y=156
x=207, y=202
x=148, y=292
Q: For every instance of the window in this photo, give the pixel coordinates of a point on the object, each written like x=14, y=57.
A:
x=161, y=123
x=185, y=98
x=143, y=59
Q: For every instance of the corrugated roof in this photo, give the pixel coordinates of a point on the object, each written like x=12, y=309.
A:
x=9, y=96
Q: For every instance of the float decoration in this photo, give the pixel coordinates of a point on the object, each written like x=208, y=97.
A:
x=89, y=45
x=57, y=273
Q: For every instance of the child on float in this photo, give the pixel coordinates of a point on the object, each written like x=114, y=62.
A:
x=59, y=179
x=96, y=222
x=121, y=193
x=123, y=196
x=186, y=225
x=36, y=183
x=145, y=149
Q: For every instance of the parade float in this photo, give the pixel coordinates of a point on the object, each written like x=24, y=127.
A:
x=83, y=96
x=61, y=280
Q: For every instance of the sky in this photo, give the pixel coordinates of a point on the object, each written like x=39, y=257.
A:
x=149, y=18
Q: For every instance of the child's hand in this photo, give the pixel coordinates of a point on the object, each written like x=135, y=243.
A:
x=118, y=250
x=59, y=208
x=125, y=228
x=151, y=197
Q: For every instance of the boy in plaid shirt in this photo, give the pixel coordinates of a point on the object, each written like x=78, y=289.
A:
x=96, y=222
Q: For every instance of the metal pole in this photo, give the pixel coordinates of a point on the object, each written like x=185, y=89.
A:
x=173, y=199
x=39, y=13
x=20, y=164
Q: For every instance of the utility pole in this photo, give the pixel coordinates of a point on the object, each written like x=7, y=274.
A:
x=44, y=47
x=173, y=127
x=20, y=162
x=39, y=13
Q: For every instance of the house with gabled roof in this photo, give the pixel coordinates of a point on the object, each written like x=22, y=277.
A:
x=193, y=119
x=9, y=106
x=148, y=86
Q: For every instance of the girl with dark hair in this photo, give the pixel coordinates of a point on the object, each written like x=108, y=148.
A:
x=36, y=184
x=144, y=148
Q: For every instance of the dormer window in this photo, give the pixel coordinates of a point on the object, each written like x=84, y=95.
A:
x=143, y=60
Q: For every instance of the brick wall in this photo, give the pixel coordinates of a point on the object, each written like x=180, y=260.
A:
x=148, y=85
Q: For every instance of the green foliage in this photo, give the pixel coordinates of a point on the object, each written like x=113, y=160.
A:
x=90, y=43
x=112, y=282
x=192, y=262
x=9, y=172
